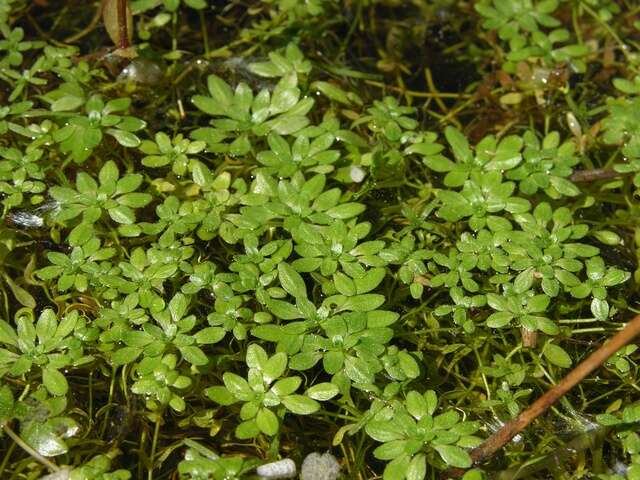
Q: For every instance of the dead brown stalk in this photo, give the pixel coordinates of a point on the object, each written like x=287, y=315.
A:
x=510, y=429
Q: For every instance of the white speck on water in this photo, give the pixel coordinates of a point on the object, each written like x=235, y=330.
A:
x=281, y=469
x=317, y=466
x=357, y=174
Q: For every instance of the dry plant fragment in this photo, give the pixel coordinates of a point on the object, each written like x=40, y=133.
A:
x=118, y=21
x=510, y=429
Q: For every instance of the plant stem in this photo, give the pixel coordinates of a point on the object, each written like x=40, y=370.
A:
x=205, y=33
x=154, y=445
x=413, y=93
x=7, y=457
x=623, y=48
x=22, y=444
x=510, y=429
x=90, y=27
x=123, y=34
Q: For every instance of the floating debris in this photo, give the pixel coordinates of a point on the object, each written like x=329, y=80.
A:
x=63, y=474
x=320, y=466
x=281, y=469
x=357, y=174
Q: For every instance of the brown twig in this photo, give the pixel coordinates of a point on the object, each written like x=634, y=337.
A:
x=123, y=34
x=593, y=175
x=510, y=429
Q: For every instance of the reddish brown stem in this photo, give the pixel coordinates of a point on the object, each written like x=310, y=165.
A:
x=123, y=33
x=510, y=429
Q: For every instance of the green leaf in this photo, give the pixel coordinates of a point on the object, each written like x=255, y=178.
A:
x=417, y=467
x=564, y=186
x=600, y=309
x=46, y=324
x=557, y=355
x=416, y=405
x=459, y=145
x=322, y=391
x=344, y=284
x=363, y=303
x=275, y=367
x=333, y=92
x=397, y=468
x=247, y=430
x=108, y=174
x=124, y=138
x=291, y=281
x=438, y=163
x=475, y=474
x=23, y=297
x=8, y=335
x=432, y=401
x=454, y=456
x=499, y=319
x=283, y=310
x=408, y=365
x=614, y=276
x=209, y=335
x=220, y=91
x=285, y=95
x=384, y=431
x=370, y=280
x=446, y=420
x=221, y=395
x=524, y=280
x=346, y=211
x=300, y=404
x=42, y=438
x=67, y=103
x=80, y=234
x=238, y=386
x=194, y=355
x=54, y=381
x=122, y=214
x=391, y=450
x=7, y=404
x=197, y=4
x=256, y=356
x=125, y=355
x=267, y=421
x=286, y=386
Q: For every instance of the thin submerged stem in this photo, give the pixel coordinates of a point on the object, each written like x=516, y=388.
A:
x=154, y=446
x=608, y=29
x=416, y=94
x=95, y=20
